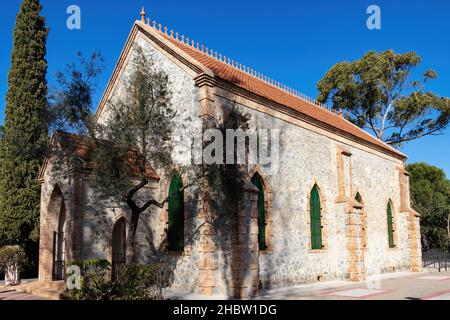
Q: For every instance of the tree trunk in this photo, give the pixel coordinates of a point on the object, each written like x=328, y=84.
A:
x=12, y=275
x=135, y=214
x=131, y=238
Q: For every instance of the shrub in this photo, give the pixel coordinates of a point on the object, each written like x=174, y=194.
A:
x=12, y=260
x=142, y=282
x=133, y=281
x=95, y=282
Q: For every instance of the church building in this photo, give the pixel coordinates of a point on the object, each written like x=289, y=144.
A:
x=338, y=207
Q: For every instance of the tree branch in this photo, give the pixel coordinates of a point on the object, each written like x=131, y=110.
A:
x=133, y=191
x=429, y=133
x=383, y=120
x=161, y=204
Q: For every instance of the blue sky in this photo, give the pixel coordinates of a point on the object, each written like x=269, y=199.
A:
x=295, y=42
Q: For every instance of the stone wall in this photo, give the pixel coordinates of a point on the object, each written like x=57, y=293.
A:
x=310, y=158
x=307, y=157
x=152, y=229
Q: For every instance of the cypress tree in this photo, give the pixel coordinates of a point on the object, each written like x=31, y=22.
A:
x=25, y=132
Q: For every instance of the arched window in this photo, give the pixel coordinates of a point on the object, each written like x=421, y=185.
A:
x=390, y=223
x=358, y=198
x=257, y=181
x=59, y=239
x=118, y=246
x=316, y=219
x=175, y=235
x=361, y=221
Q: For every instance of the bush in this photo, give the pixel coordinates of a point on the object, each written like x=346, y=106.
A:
x=142, y=282
x=134, y=281
x=95, y=282
x=12, y=260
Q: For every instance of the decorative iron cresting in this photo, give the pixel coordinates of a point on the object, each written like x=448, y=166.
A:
x=231, y=62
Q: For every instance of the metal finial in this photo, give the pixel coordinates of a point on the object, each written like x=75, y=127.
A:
x=143, y=15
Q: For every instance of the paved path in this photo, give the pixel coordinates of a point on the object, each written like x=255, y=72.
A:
x=396, y=286
x=10, y=294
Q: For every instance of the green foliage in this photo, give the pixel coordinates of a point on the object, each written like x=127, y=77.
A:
x=71, y=104
x=378, y=95
x=142, y=282
x=25, y=133
x=12, y=256
x=71, y=110
x=91, y=263
x=134, y=281
x=95, y=284
x=125, y=144
x=430, y=192
x=137, y=135
x=134, y=137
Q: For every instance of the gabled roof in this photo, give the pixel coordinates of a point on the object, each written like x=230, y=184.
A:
x=204, y=61
x=76, y=145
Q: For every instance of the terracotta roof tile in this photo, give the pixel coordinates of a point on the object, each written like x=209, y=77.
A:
x=82, y=151
x=268, y=91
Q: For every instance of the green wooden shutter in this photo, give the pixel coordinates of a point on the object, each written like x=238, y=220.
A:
x=316, y=223
x=176, y=214
x=390, y=226
x=256, y=180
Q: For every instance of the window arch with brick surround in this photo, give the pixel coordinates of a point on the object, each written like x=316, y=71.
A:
x=120, y=218
x=316, y=219
x=164, y=216
x=360, y=199
x=176, y=223
x=56, y=229
x=391, y=225
x=264, y=202
x=118, y=246
x=257, y=181
x=316, y=215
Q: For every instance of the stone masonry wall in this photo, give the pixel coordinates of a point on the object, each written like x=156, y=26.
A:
x=308, y=158
x=152, y=228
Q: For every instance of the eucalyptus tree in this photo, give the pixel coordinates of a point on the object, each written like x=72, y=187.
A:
x=377, y=93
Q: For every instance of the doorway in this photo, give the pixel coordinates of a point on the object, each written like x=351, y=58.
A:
x=118, y=247
x=59, y=246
